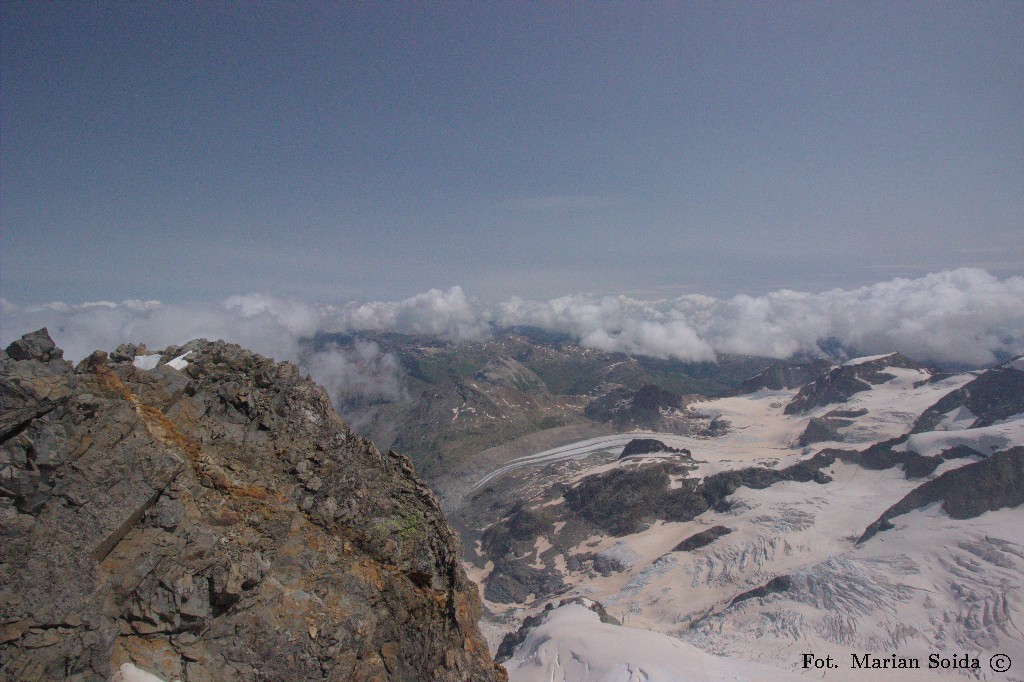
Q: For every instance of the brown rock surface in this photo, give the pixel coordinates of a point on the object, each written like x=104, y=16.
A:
x=219, y=522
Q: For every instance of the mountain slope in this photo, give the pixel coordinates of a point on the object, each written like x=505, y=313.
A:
x=464, y=406
x=747, y=547
x=205, y=515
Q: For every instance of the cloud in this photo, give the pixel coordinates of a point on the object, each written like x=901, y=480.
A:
x=450, y=314
x=357, y=374
x=961, y=316
x=958, y=316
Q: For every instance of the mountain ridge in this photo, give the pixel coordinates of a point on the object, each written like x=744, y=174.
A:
x=211, y=517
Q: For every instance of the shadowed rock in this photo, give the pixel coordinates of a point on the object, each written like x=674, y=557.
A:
x=646, y=446
x=842, y=382
x=778, y=584
x=701, y=539
x=969, y=491
x=215, y=522
x=996, y=394
x=782, y=375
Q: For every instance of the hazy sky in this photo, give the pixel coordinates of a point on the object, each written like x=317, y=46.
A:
x=327, y=151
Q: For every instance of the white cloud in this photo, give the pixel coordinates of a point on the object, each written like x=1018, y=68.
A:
x=359, y=371
x=450, y=314
x=953, y=316
x=963, y=316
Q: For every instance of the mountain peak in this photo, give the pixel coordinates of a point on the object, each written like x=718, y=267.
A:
x=216, y=521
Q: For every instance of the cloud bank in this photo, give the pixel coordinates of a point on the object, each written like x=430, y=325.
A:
x=962, y=316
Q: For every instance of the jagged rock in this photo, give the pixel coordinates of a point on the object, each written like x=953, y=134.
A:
x=644, y=446
x=784, y=374
x=35, y=345
x=884, y=455
x=996, y=394
x=842, y=382
x=159, y=518
x=701, y=539
x=966, y=492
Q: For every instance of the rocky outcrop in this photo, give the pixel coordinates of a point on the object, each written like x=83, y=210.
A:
x=702, y=539
x=781, y=583
x=214, y=522
x=973, y=489
x=888, y=453
x=784, y=374
x=647, y=446
x=619, y=502
x=996, y=394
x=650, y=407
x=842, y=382
x=827, y=428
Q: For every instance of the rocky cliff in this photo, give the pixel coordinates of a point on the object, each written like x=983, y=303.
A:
x=205, y=515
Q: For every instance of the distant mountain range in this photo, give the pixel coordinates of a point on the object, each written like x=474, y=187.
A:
x=869, y=506
x=201, y=512
x=467, y=404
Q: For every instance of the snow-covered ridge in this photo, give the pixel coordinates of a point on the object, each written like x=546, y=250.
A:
x=929, y=584
x=866, y=359
x=573, y=644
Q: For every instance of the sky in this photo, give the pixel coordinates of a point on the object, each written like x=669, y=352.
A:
x=339, y=151
x=677, y=179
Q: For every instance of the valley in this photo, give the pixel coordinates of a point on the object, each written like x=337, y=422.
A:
x=748, y=548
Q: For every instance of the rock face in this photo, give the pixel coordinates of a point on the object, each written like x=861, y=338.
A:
x=843, y=381
x=646, y=446
x=996, y=394
x=965, y=493
x=783, y=374
x=211, y=523
x=650, y=407
x=702, y=539
x=827, y=428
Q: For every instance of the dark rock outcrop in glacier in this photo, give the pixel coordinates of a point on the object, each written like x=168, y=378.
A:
x=973, y=489
x=842, y=382
x=994, y=395
x=785, y=374
x=702, y=539
x=647, y=446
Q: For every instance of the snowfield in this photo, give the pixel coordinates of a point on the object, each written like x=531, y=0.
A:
x=573, y=644
x=929, y=585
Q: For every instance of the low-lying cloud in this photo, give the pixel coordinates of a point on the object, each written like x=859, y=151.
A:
x=961, y=316
x=356, y=374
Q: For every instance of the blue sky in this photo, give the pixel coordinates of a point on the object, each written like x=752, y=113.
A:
x=333, y=151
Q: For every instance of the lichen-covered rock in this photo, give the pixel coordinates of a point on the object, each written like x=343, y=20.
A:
x=214, y=522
